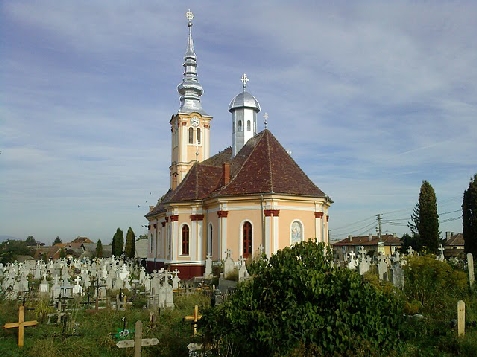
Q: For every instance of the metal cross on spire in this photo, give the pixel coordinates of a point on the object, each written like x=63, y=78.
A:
x=189, y=16
x=265, y=121
x=244, y=80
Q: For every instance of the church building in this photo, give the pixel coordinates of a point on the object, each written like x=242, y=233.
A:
x=251, y=197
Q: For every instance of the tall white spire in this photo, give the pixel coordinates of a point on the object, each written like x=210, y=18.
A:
x=190, y=89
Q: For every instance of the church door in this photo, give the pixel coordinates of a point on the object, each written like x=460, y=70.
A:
x=247, y=240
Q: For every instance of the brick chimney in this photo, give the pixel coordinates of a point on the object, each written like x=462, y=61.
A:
x=370, y=238
x=226, y=172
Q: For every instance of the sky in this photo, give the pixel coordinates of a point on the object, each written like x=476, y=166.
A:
x=370, y=97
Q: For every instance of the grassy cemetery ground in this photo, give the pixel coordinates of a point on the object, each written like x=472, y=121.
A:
x=95, y=333
x=423, y=313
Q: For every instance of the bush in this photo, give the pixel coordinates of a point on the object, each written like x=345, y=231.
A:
x=298, y=302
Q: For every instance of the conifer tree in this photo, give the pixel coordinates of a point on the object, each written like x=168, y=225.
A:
x=117, y=243
x=424, y=222
x=130, y=249
x=99, y=249
x=469, y=217
x=57, y=240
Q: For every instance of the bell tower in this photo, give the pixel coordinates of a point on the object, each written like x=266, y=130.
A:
x=190, y=126
x=244, y=108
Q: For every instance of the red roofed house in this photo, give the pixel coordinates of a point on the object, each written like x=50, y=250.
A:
x=387, y=244
x=247, y=197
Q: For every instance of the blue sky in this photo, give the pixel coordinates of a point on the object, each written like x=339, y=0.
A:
x=371, y=98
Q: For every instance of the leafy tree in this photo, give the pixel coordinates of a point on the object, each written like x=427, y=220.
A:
x=57, y=240
x=99, y=249
x=298, y=304
x=30, y=241
x=410, y=241
x=130, y=249
x=469, y=217
x=424, y=222
x=117, y=243
x=62, y=253
x=11, y=249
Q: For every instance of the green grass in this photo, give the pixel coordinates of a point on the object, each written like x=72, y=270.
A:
x=95, y=331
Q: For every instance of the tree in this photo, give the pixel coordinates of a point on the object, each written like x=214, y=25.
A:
x=130, y=249
x=410, y=241
x=11, y=249
x=99, y=249
x=469, y=217
x=424, y=222
x=298, y=304
x=62, y=253
x=57, y=240
x=117, y=243
x=30, y=241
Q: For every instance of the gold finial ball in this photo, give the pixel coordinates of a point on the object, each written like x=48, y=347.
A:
x=189, y=16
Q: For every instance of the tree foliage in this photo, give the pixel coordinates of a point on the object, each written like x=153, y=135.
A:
x=57, y=240
x=424, y=223
x=130, y=249
x=30, y=241
x=117, y=243
x=10, y=250
x=99, y=249
x=296, y=301
x=469, y=217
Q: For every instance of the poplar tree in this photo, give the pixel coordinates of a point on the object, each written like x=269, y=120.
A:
x=99, y=249
x=424, y=222
x=130, y=249
x=469, y=217
x=117, y=243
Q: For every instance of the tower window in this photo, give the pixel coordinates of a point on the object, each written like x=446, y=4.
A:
x=198, y=136
x=247, y=239
x=248, y=125
x=239, y=125
x=191, y=135
x=185, y=239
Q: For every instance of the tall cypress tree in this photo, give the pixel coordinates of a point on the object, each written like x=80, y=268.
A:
x=99, y=249
x=130, y=249
x=426, y=219
x=469, y=217
x=117, y=244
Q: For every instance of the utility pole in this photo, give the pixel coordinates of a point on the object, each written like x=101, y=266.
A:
x=378, y=228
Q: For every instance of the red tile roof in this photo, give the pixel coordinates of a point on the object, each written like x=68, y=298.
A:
x=388, y=239
x=455, y=240
x=261, y=166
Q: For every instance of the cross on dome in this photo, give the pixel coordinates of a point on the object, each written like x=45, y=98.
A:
x=265, y=121
x=244, y=80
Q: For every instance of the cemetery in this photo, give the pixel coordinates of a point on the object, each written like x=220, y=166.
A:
x=402, y=305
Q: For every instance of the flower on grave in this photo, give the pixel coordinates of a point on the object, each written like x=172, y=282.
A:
x=122, y=334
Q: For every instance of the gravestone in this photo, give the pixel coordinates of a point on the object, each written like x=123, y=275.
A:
x=229, y=264
x=382, y=268
x=470, y=265
x=208, y=267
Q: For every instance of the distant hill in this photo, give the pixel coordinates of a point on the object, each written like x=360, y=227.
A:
x=4, y=238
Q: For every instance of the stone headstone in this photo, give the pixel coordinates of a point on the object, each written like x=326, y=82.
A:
x=470, y=265
x=229, y=264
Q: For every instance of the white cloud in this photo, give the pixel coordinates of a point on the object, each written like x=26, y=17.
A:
x=371, y=98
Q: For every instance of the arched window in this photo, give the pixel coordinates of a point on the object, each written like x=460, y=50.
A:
x=198, y=136
x=209, y=240
x=233, y=127
x=247, y=239
x=185, y=239
x=191, y=135
x=296, y=232
x=239, y=125
x=248, y=125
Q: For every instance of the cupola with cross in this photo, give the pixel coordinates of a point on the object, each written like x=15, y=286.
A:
x=190, y=126
x=244, y=108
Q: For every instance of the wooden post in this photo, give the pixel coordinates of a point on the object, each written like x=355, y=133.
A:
x=21, y=324
x=460, y=318
x=137, y=339
x=138, y=342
